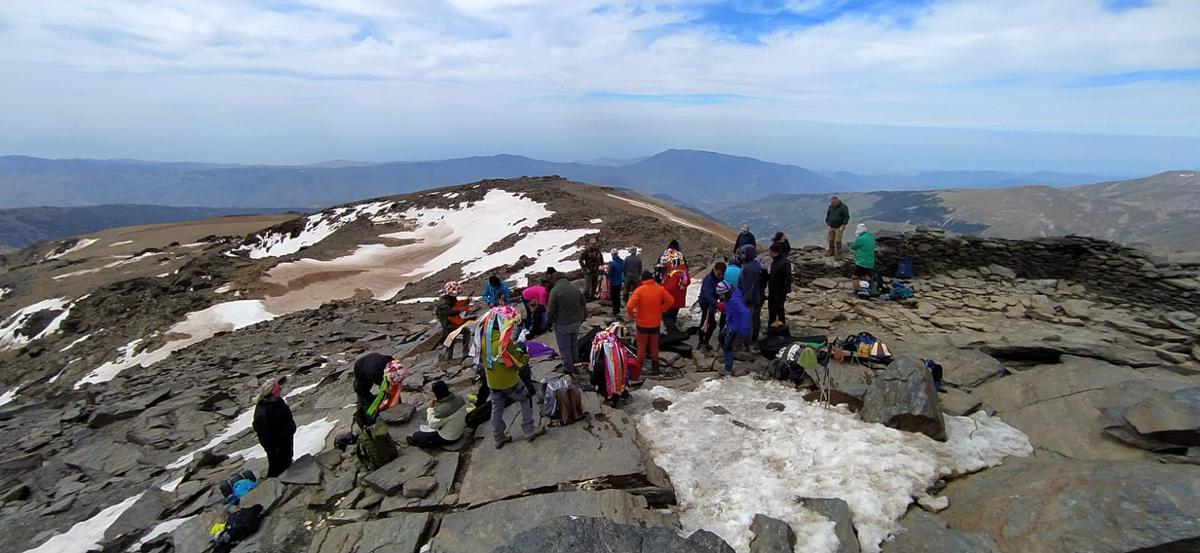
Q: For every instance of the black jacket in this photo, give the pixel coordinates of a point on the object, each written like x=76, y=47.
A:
x=750, y=282
x=743, y=239
x=368, y=373
x=780, y=279
x=785, y=247
x=273, y=423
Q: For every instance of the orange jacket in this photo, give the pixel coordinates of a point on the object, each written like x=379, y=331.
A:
x=648, y=303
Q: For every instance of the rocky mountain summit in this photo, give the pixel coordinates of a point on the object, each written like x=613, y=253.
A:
x=1069, y=421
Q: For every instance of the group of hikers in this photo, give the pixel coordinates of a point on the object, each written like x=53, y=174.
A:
x=731, y=299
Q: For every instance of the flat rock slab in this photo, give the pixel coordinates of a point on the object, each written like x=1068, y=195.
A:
x=1173, y=417
x=925, y=532
x=411, y=463
x=582, y=451
x=1038, y=505
x=444, y=473
x=486, y=528
x=304, y=471
x=585, y=534
x=400, y=534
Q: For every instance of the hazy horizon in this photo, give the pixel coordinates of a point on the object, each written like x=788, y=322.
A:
x=889, y=86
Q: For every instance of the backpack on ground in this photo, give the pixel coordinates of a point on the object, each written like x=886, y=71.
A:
x=936, y=371
x=793, y=361
x=866, y=347
x=239, y=525
x=562, y=400
x=583, y=347
x=900, y=291
x=375, y=447
x=229, y=485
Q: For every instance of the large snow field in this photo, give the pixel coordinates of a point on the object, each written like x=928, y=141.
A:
x=317, y=227
x=9, y=336
x=724, y=474
x=196, y=327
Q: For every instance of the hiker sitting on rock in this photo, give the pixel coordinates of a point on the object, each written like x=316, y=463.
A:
x=275, y=427
x=495, y=292
x=676, y=281
x=864, y=254
x=708, y=305
x=376, y=369
x=737, y=329
x=591, y=261
x=450, y=313
x=445, y=418
x=503, y=361
x=646, y=308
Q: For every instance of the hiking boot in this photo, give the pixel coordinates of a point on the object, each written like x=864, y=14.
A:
x=539, y=431
x=500, y=442
x=652, y=371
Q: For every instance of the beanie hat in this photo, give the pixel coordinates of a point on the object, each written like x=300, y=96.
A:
x=723, y=288
x=647, y=275
x=452, y=288
x=441, y=390
x=861, y=228
x=269, y=391
x=395, y=372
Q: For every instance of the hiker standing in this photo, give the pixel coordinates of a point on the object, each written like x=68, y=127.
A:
x=616, y=280
x=784, y=244
x=864, y=253
x=750, y=284
x=371, y=370
x=445, y=418
x=275, y=428
x=836, y=217
x=708, y=304
x=565, y=311
x=737, y=329
x=591, y=260
x=503, y=362
x=535, y=298
x=646, y=307
x=450, y=311
x=733, y=270
x=633, y=272
x=675, y=280
x=745, y=237
x=495, y=292
x=778, y=283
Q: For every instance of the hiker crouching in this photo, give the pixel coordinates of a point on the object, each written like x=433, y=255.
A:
x=371, y=370
x=445, y=418
x=275, y=428
x=450, y=313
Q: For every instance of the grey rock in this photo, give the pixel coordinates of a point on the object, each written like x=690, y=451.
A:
x=102, y=457
x=1172, y=417
x=268, y=493
x=926, y=532
x=837, y=511
x=970, y=368
x=959, y=403
x=661, y=404
x=19, y=492
x=826, y=283
x=444, y=474
x=579, y=534
x=775, y=406
x=399, y=414
x=329, y=459
x=717, y=410
x=389, y=478
x=334, y=488
x=483, y=529
x=304, y=471
x=903, y=397
x=400, y=534
x=349, y=516
x=142, y=515
x=1040, y=505
x=771, y=536
x=418, y=488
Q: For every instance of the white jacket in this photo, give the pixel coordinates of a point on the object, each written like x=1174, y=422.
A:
x=450, y=428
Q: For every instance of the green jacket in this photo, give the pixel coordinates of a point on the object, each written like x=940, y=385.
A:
x=501, y=376
x=566, y=303
x=837, y=216
x=864, y=250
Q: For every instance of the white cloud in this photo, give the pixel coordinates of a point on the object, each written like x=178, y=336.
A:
x=337, y=69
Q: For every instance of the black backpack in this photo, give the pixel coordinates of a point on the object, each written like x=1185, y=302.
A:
x=239, y=525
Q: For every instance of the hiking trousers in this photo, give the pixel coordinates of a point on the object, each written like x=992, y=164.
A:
x=708, y=323
x=429, y=439
x=755, y=320
x=835, y=240
x=647, y=343
x=671, y=321
x=464, y=337
x=590, y=281
x=614, y=293
x=775, y=308
x=502, y=399
x=279, y=458
x=567, y=337
x=729, y=342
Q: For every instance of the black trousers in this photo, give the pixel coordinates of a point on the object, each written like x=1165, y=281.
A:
x=279, y=457
x=670, y=321
x=614, y=293
x=708, y=323
x=775, y=308
x=755, y=321
x=428, y=439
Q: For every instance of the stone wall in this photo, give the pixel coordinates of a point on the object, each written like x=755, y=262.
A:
x=1105, y=269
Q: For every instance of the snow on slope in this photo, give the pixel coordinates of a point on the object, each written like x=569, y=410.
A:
x=725, y=474
x=86, y=535
x=317, y=227
x=196, y=327
x=8, y=396
x=11, y=336
x=4, y=291
x=663, y=213
x=81, y=244
x=310, y=440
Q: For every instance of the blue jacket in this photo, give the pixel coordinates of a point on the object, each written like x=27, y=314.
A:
x=732, y=273
x=492, y=296
x=737, y=315
x=751, y=275
x=708, y=290
x=616, y=272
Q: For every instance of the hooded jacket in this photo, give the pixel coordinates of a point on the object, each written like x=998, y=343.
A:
x=781, y=277
x=495, y=296
x=273, y=423
x=837, y=216
x=616, y=272
x=708, y=290
x=648, y=303
x=566, y=303
x=864, y=250
x=448, y=417
x=749, y=283
x=744, y=238
x=633, y=269
x=737, y=314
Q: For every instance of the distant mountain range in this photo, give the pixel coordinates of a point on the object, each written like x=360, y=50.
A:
x=702, y=179
x=24, y=226
x=1161, y=210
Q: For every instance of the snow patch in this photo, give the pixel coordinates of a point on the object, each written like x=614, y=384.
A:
x=77, y=341
x=662, y=212
x=81, y=244
x=162, y=529
x=596, y=221
x=121, y=261
x=310, y=440
x=121, y=243
x=8, y=396
x=451, y=195
x=546, y=247
x=317, y=227
x=223, y=289
x=10, y=335
x=4, y=291
x=86, y=535
x=196, y=327
x=725, y=474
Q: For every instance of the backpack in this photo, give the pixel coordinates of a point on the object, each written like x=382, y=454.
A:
x=863, y=289
x=900, y=291
x=229, y=485
x=904, y=268
x=584, y=345
x=562, y=400
x=936, y=370
x=238, y=526
x=375, y=447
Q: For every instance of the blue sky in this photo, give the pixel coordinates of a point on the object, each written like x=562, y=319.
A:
x=1108, y=86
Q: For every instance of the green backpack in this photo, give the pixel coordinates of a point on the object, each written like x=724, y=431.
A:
x=376, y=447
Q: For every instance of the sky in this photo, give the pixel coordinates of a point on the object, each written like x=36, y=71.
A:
x=1099, y=86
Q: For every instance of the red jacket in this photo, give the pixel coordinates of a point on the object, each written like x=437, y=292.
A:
x=676, y=282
